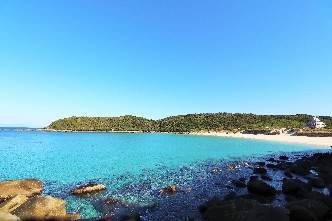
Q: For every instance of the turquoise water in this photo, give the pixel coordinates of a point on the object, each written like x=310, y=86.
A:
x=120, y=160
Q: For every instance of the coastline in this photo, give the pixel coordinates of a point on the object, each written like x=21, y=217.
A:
x=284, y=138
x=316, y=141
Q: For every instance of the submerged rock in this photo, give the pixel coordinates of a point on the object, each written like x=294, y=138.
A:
x=12, y=188
x=169, y=190
x=88, y=188
x=257, y=186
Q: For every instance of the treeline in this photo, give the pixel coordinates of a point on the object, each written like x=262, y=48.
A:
x=186, y=123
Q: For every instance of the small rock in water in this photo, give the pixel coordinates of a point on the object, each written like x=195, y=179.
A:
x=88, y=188
x=261, y=163
x=169, y=190
x=283, y=157
x=257, y=186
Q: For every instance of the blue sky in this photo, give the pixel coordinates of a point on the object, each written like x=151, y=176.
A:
x=157, y=58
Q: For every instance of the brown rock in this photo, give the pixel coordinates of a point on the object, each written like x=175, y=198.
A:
x=42, y=207
x=169, y=190
x=12, y=204
x=29, y=187
x=88, y=188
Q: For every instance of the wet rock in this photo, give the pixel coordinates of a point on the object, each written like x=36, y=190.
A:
x=261, y=163
x=300, y=167
x=131, y=217
x=239, y=183
x=259, y=170
x=271, y=160
x=5, y=216
x=281, y=166
x=13, y=203
x=299, y=213
x=288, y=174
x=28, y=187
x=283, y=157
x=316, y=182
x=257, y=186
x=265, y=177
x=270, y=165
x=42, y=207
x=231, y=195
x=314, y=195
x=88, y=188
x=294, y=186
x=317, y=208
x=169, y=190
x=241, y=210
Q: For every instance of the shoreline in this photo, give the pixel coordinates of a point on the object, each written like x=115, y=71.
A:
x=316, y=141
x=284, y=138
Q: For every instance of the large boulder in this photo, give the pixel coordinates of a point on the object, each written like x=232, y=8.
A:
x=259, y=187
x=316, y=182
x=88, y=188
x=295, y=187
x=12, y=188
x=41, y=207
x=299, y=213
x=12, y=204
x=316, y=208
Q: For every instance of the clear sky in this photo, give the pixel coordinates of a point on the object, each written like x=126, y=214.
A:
x=156, y=58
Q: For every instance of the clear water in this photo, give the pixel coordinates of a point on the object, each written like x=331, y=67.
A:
x=133, y=166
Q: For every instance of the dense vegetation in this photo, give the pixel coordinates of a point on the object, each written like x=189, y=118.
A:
x=123, y=123
x=186, y=123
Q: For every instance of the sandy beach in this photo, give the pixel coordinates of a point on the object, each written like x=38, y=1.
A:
x=316, y=141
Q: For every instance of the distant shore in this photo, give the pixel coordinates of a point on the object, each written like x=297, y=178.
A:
x=316, y=141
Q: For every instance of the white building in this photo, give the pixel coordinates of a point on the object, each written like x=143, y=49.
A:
x=316, y=123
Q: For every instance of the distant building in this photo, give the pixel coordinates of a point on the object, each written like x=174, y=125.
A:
x=315, y=123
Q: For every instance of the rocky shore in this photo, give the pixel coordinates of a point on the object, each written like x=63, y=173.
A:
x=22, y=200
x=306, y=189
x=301, y=191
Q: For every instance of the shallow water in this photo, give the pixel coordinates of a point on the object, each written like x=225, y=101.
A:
x=133, y=166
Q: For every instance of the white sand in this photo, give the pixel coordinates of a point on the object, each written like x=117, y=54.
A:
x=316, y=141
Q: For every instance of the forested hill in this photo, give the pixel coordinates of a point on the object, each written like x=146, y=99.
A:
x=186, y=123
